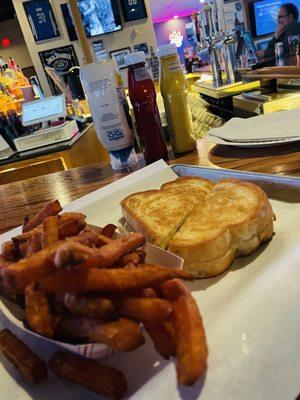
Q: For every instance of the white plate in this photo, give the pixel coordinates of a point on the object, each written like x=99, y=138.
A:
x=250, y=145
x=250, y=316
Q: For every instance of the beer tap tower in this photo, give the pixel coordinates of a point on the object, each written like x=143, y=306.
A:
x=219, y=44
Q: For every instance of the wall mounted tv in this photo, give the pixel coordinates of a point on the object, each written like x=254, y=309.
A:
x=263, y=15
x=100, y=16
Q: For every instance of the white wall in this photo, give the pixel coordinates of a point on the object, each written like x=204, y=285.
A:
x=18, y=50
x=132, y=33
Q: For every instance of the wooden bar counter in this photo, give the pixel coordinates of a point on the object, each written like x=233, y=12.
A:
x=28, y=196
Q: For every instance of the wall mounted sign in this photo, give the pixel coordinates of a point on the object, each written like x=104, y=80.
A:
x=176, y=38
x=61, y=59
x=141, y=47
x=41, y=19
x=119, y=55
x=133, y=10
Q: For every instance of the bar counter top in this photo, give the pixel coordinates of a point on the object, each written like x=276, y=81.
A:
x=28, y=196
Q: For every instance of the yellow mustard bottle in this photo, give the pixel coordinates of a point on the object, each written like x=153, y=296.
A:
x=174, y=90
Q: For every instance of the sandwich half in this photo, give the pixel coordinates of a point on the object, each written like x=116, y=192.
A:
x=158, y=214
x=233, y=220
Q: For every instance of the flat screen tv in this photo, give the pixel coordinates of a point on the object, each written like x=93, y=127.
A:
x=100, y=16
x=263, y=15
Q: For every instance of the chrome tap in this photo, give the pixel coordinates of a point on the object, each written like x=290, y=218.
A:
x=229, y=58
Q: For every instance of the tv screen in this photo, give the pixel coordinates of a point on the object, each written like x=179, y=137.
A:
x=100, y=16
x=264, y=15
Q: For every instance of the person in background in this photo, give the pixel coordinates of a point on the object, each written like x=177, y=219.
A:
x=287, y=24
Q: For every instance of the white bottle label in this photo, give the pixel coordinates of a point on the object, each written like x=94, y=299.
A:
x=98, y=81
x=141, y=74
x=175, y=66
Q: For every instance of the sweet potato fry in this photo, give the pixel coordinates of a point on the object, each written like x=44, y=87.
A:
x=3, y=262
x=123, y=334
x=87, y=306
x=191, y=347
x=148, y=293
x=93, y=238
x=52, y=208
x=109, y=230
x=32, y=246
x=37, y=311
x=108, y=280
x=173, y=288
x=30, y=365
x=24, y=272
x=161, y=338
x=25, y=222
x=70, y=228
x=50, y=231
x=97, y=377
x=145, y=309
x=10, y=251
x=69, y=224
x=105, y=256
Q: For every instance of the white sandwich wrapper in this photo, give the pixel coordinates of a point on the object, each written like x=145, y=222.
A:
x=154, y=255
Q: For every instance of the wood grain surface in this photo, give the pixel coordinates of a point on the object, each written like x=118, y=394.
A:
x=28, y=196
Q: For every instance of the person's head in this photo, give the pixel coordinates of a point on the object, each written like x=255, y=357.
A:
x=287, y=13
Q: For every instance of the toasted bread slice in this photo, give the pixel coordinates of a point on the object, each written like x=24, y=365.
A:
x=158, y=214
x=159, y=219
x=195, y=185
x=233, y=219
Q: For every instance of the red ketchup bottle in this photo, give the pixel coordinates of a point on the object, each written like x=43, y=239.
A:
x=143, y=99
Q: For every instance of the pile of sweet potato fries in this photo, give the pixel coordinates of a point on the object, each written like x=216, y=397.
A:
x=82, y=284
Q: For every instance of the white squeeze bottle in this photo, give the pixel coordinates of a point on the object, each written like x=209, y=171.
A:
x=174, y=90
x=104, y=93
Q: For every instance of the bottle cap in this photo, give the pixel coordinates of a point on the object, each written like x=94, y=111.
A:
x=124, y=160
x=135, y=58
x=167, y=50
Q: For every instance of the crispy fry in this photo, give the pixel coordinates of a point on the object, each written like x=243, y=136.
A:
x=145, y=309
x=25, y=222
x=109, y=230
x=69, y=224
x=108, y=280
x=20, y=274
x=70, y=228
x=123, y=334
x=9, y=250
x=87, y=306
x=191, y=347
x=52, y=208
x=3, y=262
x=50, y=231
x=101, y=379
x=80, y=255
x=148, y=293
x=33, y=245
x=24, y=272
x=173, y=288
x=30, y=365
x=94, y=238
x=37, y=311
x=161, y=338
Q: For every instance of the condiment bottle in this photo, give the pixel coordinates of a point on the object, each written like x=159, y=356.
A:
x=143, y=99
x=100, y=85
x=174, y=91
